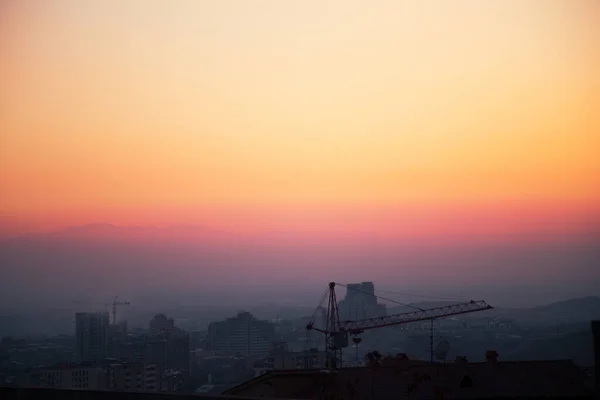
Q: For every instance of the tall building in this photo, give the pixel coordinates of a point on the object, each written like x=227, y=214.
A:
x=117, y=337
x=91, y=332
x=241, y=335
x=178, y=351
x=160, y=323
x=166, y=346
x=360, y=302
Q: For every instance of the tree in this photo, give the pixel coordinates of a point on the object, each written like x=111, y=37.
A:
x=373, y=358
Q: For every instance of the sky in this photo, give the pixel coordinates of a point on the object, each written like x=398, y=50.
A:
x=407, y=119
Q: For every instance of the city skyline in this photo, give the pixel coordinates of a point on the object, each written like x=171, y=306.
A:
x=318, y=199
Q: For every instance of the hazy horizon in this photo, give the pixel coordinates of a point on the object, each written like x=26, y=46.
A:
x=196, y=265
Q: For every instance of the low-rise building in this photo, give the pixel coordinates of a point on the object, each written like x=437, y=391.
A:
x=309, y=359
x=66, y=376
x=134, y=376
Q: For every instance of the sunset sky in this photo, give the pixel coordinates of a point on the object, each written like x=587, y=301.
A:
x=401, y=116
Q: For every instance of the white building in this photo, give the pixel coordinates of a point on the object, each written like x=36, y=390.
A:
x=360, y=302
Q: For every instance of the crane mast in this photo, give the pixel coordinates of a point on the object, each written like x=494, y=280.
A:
x=332, y=335
x=336, y=332
x=114, y=308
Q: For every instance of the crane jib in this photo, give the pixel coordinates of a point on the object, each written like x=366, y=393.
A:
x=414, y=316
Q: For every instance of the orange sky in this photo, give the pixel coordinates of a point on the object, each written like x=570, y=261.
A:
x=155, y=111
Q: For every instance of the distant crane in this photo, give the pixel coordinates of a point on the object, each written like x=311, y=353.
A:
x=114, y=305
x=336, y=332
x=114, y=308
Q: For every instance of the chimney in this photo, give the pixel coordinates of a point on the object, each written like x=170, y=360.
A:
x=491, y=356
x=596, y=333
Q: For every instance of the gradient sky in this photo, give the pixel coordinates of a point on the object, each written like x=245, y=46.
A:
x=292, y=115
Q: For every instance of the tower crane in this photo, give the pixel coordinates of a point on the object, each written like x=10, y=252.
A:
x=114, y=308
x=336, y=332
x=114, y=305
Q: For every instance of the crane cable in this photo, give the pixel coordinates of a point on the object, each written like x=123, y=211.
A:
x=381, y=297
x=319, y=306
x=422, y=295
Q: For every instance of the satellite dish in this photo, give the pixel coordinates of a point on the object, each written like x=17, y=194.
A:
x=441, y=350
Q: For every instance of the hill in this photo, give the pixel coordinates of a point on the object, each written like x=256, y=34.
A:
x=577, y=346
x=584, y=308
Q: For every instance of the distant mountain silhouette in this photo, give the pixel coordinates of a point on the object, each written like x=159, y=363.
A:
x=563, y=312
x=577, y=346
x=584, y=306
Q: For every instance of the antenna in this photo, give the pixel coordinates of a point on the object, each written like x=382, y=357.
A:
x=356, y=340
x=441, y=350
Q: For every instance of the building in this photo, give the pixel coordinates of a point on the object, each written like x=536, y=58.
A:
x=242, y=335
x=168, y=351
x=146, y=349
x=227, y=370
x=172, y=380
x=402, y=379
x=177, y=350
x=117, y=337
x=166, y=346
x=85, y=376
x=91, y=335
x=143, y=377
x=596, y=333
x=134, y=376
x=117, y=376
x=178, y=356
x=281, y=358
x=160, y=323
x=309, y=359
x=360, y=302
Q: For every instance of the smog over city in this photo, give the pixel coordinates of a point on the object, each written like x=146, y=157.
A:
x=348, y=183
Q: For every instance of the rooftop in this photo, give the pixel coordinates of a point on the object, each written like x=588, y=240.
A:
x=454, y=381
